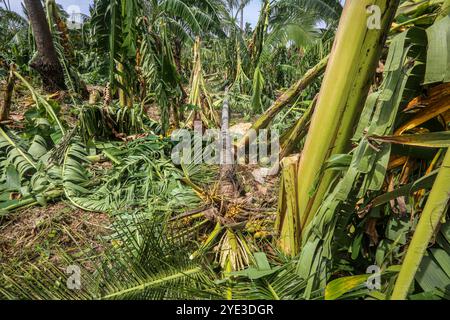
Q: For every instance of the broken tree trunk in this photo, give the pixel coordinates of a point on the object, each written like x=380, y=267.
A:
x=46, y=61
x=54, y=19
x=228, y=186
x=199, y=95
x=288, y=219
x=6, y=105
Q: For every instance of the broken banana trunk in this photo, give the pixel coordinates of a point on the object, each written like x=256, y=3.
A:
x=286, y=98
x=288, y=219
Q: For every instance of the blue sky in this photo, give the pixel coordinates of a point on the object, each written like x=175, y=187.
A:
x=251, y=12
x=83, y=4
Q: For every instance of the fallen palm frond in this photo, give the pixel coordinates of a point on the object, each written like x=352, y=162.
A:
x=143, y=263
x=144, y=178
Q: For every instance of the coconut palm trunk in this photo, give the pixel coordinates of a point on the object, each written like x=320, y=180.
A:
x=46, y=61
x=242, y=16
x=227, y=185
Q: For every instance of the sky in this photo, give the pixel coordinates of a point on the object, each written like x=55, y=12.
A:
x=83, y=4
x=251, y=12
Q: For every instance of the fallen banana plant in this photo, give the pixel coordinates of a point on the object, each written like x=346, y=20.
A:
x=287, y=97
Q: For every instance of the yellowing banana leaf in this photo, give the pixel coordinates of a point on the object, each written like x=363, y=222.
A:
x=436, y=103
x=338, y=287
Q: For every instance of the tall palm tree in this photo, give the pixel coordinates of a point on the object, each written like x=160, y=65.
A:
x=46, y=61
x=242, y=5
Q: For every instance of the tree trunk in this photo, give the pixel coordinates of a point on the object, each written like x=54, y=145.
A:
x=227, y=169
x=178, y=46
x=287, y=224
x=242, y=18
x=6, y=106
x=64, y=40
x=46, y=61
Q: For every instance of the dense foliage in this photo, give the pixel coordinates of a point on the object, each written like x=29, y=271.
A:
x=364, y=177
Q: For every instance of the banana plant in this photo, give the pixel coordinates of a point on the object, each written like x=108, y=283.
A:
x=344, y=89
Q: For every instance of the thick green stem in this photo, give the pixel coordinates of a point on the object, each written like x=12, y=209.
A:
x=288, y=222
x=353, y=61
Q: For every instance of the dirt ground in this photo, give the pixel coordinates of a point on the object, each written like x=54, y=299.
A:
x=40, y=234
